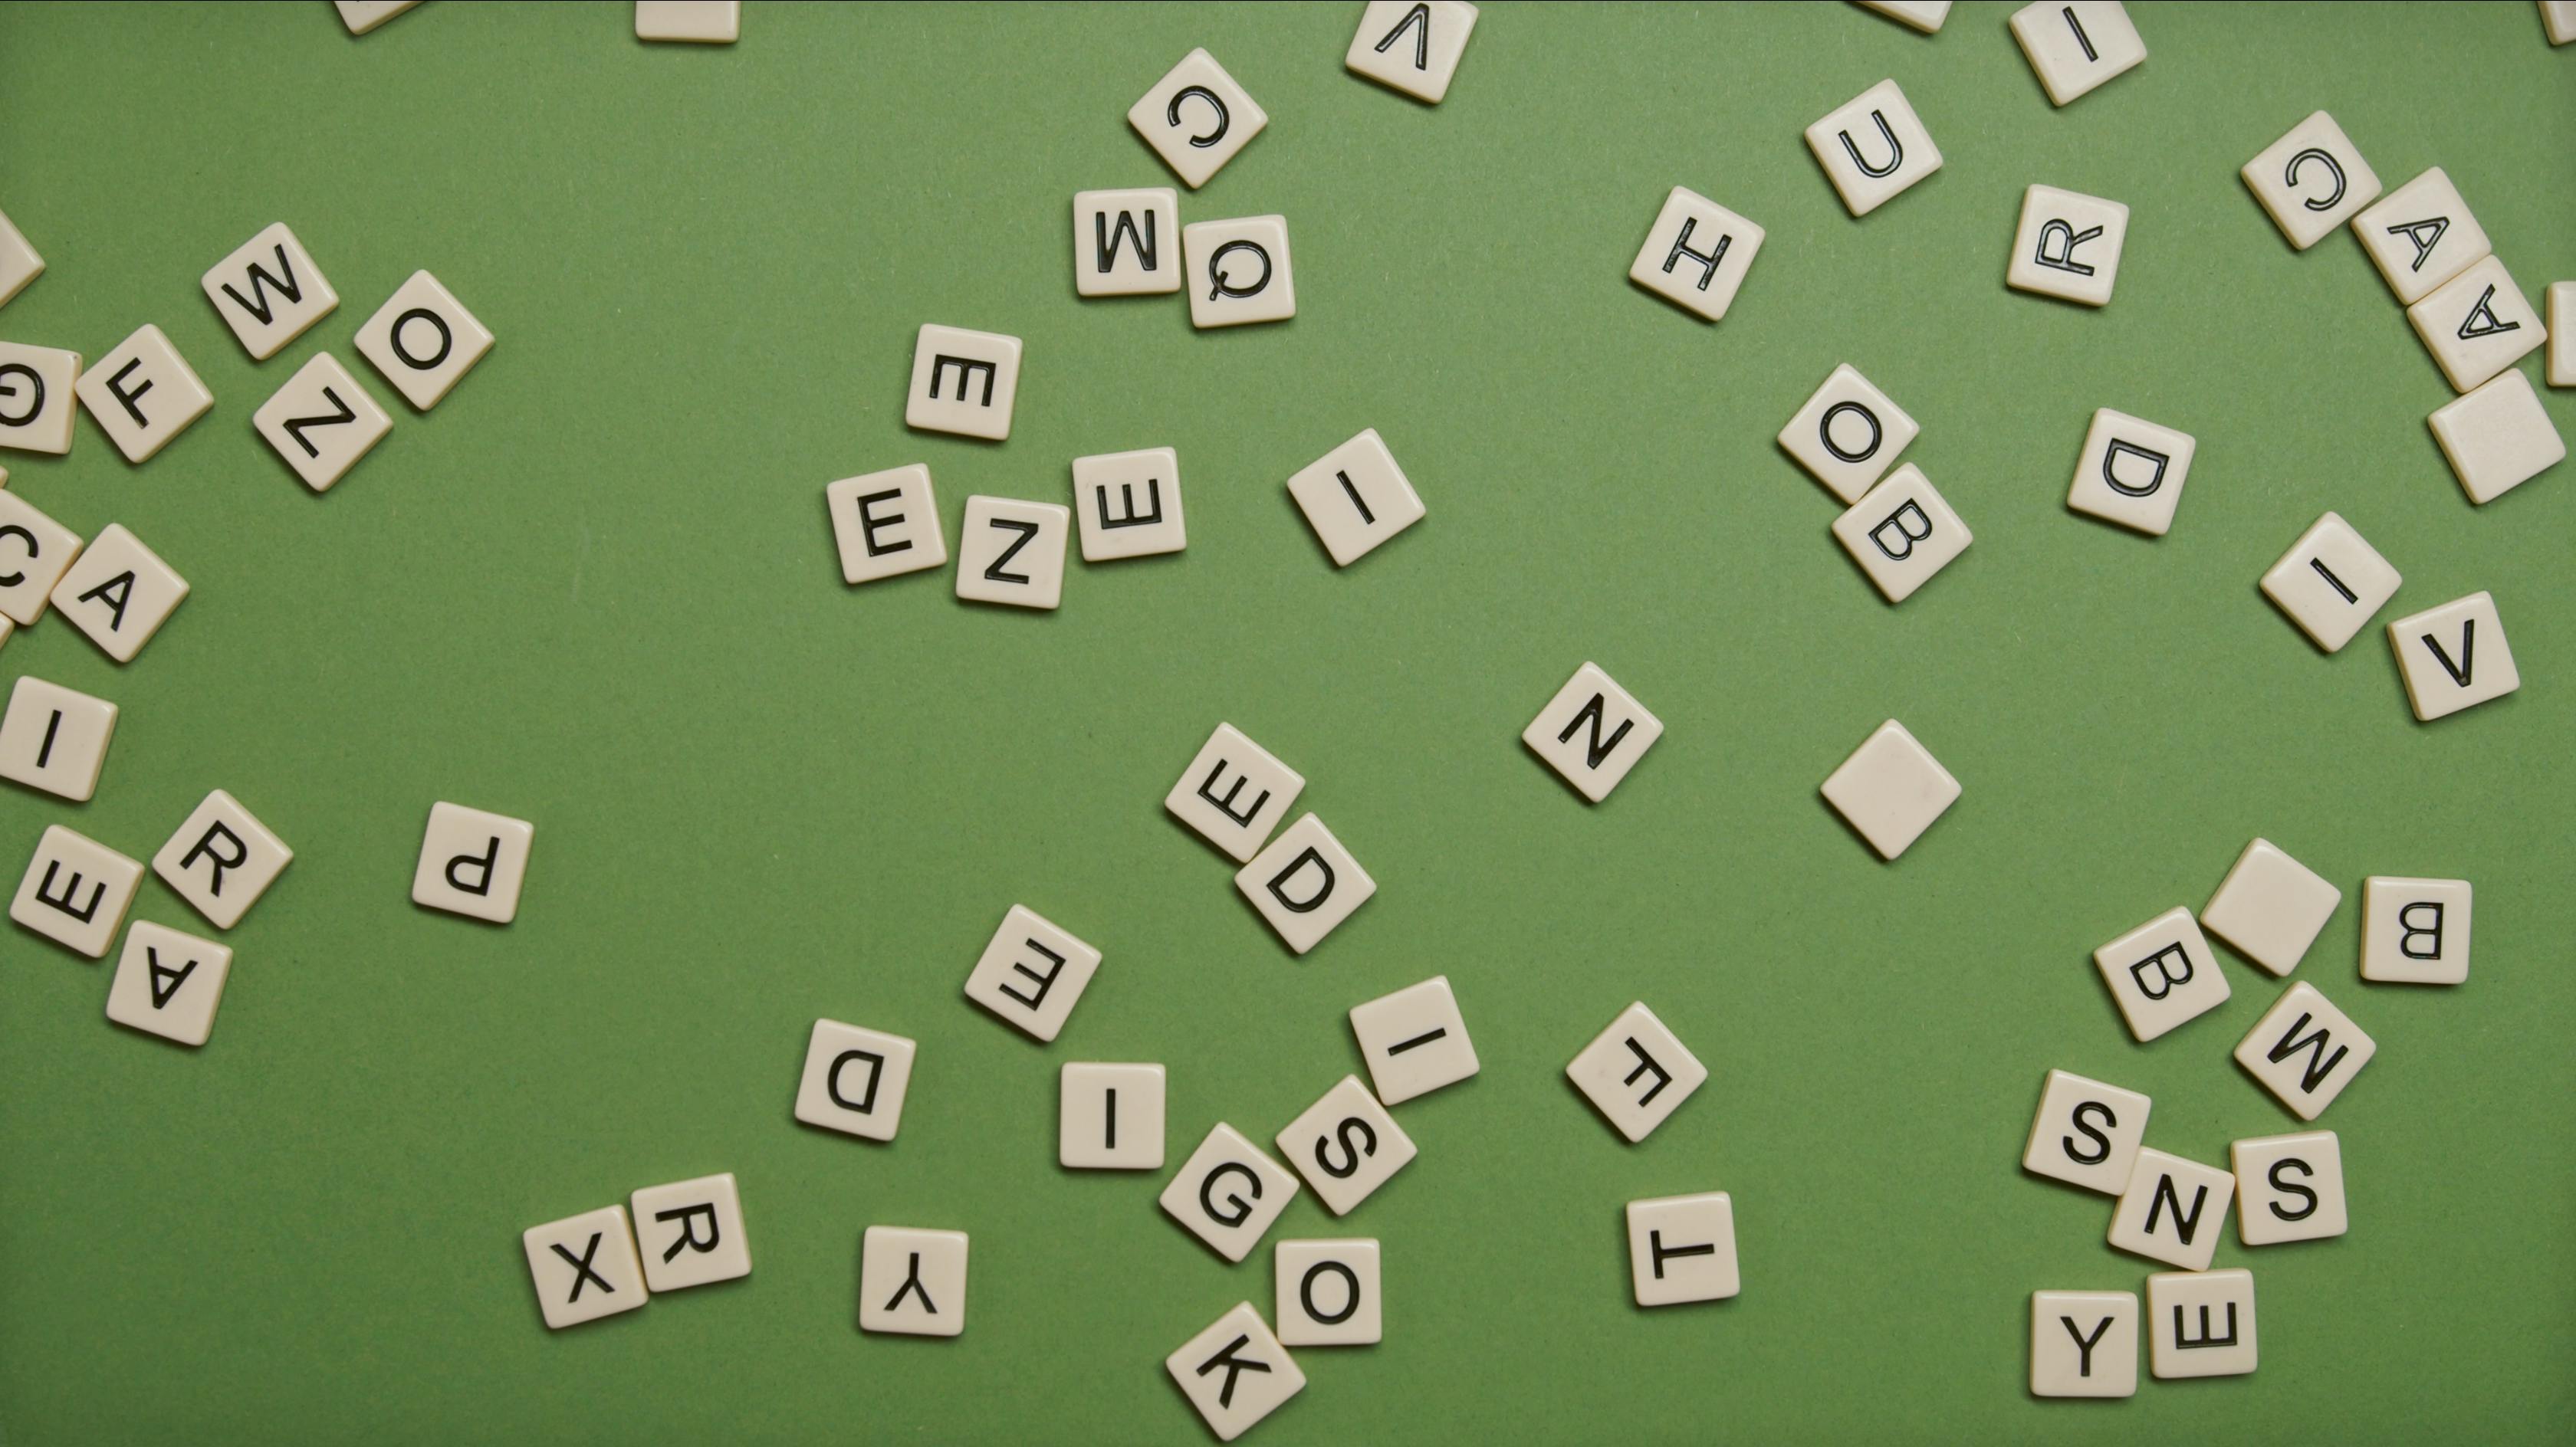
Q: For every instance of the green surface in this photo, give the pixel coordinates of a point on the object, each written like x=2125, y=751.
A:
x=596, y=589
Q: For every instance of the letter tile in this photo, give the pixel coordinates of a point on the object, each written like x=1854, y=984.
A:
x=2200, y=1323
x=1196, y=118
x=2162, y=974
x=222, y=860
x=854, y=1080
x=1872, y=147
x=2289, y=1188
x=1891, y=789
x=2558, y=20
x=584, y=1267
x=1902, y=533
x=423, y=340
x=1305, y=883
x=119, y=593
x=1636, y=1072
x=321, y=422
x=2073, y=47
x=362, y=16
x=2086, y=1133
x=698, y=22
x=2498, y=437
x=1239, y=271
x=2173, y=1211
x=38, y=386
x=19, y=263
x=691, y=1233
x=35, y=552
x=886, y=523
x=2477, y=324
x=1414, y=1040
x=2331, y=582
x=912, y=1282
x=2311, y=180
x=1129, y=504
x=2305, y=1051
x=1126, y=243
x=2131, y=472
x=1696, y=254
x=1235, y=1372
x=1923, y=15
x=1012, y=552
x=1234, y=793
x=1227, y=1193
x=2067, y=246
x=2083, y=1343
x=2562, y=350
x=1346, y=1145
x=1328, y=1293
x=963, y=382
x=2449, y=661
x=1110, y=1117
x=54, y=738
x=1031, y=973
x=76, y=891
x=269, y=291
x=1847, y=434
x=143, y=393
x=168, y=984
x=1682, y=1248
x=2270, y=907
x=1412, y=46
x=1615, y=729
x=1355, y=497
x=2421, y=235
x=2415, y=931
x=472, y=863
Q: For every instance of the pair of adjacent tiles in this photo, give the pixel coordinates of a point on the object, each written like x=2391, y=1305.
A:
x=2074, y=46
x=472, y=863
x=1901, y=531
x=1121, y=247
x=1636, y=1072
x=2332, y=582
x=1229, y=1191
x=2091, y=1134
x=689, y=22
x=586, y=1267
x=1304, y=883
x=2085, y=1343
x=56, y=739
x=2269, y=906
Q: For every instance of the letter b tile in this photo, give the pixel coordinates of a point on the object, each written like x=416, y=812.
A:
x=472, y=863
x=2162, y=974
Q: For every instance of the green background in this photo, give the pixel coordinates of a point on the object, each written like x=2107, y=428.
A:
x=596, y=589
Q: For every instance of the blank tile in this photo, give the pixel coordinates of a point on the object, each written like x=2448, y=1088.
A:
x=1227, y=1193
x=1235, y=1372
x=1696, y=254
x=2086, y=1133
x=885, y=524
x=1592, y=732
x=701, y=22
x=2421, y=235
x=472, y=863
x=690, y=1232
x=963, y=382
x=1891, y=789
x=1346, y=1145
x=1305, y=883
x=2498, y=437
x=1902, y=532
x=1239, y=271
x=1414, y=1040
x=321, y=422
x=2311, y=180
x=143, y=393
x=118, y=592
x=38, y=394
x=1129, y=504
x=1682, y=1248
x=35, y=552
x=2067, y=245
x=1872, y=147
x=1847, y=434
x=168, y=984
x=1328, y=1293
x=1127, y=243
x=2173, y=1210
x=2083, y=1343
x=2477, y=324
x=912, y=1282
x=2076, y=46
x=1923, y=15
x=2331, y=582
x=1110, y=1117
x=1234, y=793
x=54, y=738
x=2200, y=1323
x=2454, y=656
x=269, y=291
x=1196, y=118
x=222, y=859
x=19, y=263
x=1031, y=973
x=2162, y=974
x=423, y=340
x=2270, y=907
x=1355, y=497
x=585, y=1267
x=362, y=16
x=1012, y=552
x=2289, y=1188
x=76, y=891
x=2415, y=931
x=1412, y=46
x=854, y=1080
x=2305, y=1051
x=1636, y=1072
x=2562, y=349
x=2131, y=472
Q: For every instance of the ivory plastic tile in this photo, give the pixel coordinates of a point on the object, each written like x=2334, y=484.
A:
x=1891, y=789
x=1012, y=552
x=886, y=523
x=362, y=16
x=1227, y=1193
x=2200, y=1324
x=1847, y=434
x=1872, y=147
x=54, y=738
x=2289, y=1188
x=118, y=592
x=1923, y=15
x=2451, y=662
x=1414, y=1040
x=690, y=1232
x=1129, y=504
x=2270, y=907
x=2076, y=46
x=76, y=891
x=143, y=393
x=2131, y=472
x=269, y=291
x=2086, y=1133
x=1328, y=1293
x=854, y=1080
x=2162, y=974
x=2067, y=246
x=1110, y=1117
x=423, y=340
x=1636, y=1072
x=1412, y=46
x=2477, y=324
x=2305, y=1051
x=2311, y=180
x=1355, y=497
x=222, y=860
x=1682, y=1248
x=168, y=984
x=1592, y=732
x=1234, y=793
x=1696, y=254
x=912, y=1282
x=1346, y=1145
x=1196, y=118
x=2331, y=582
x=1235, y=1372
x=2083, y=1343
x=1032, y=973
x=700, y=22
x=472, y=863
x=585, y=1267
x=1902, y=532
x=963, y=382
x=2421, y=235
x=2173, y=1210
x=2415, y=931
x=2562, y=348
x=19, y=263
x=322, y=422
x=2498, y=437
x=1305, y=883
x=2558, y=20
x=38, y=392
x=1126, y=243
x=35, y=552
x=1239, y=271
